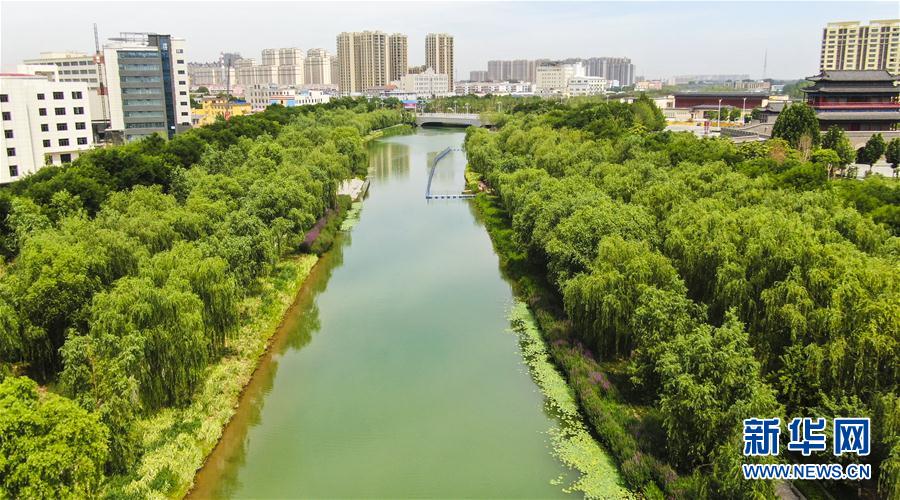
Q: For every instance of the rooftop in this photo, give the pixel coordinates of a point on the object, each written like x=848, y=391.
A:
x=871, y=75
x=722, y=94
x=859, y=115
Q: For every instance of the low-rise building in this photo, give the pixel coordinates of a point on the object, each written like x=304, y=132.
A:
x=867, y=100
x=554, y=78
x=74, y=67
x=494, y=88
x=262, y=96
x=645, y=85
x=427, y=83
x=740, y=100
x=44, y=123
x=586, y=85
x=214, y=107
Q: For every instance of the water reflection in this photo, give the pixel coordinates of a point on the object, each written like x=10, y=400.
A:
x=300, y=323
x=389, y=159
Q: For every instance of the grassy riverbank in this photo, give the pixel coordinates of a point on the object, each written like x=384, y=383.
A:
x=620, y=427
x=177, y=440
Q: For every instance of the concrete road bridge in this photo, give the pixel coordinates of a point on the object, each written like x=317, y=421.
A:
x=459, y=119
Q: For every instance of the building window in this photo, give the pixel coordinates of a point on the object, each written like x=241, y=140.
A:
x=181, y=61
x=8, y=134
x=81, y=140
x=79, y=126
x=59, y=111
x=179, y=51
x=4, y=98
x=47, y=143
x=61, y=127
x=182, y=82
x=40, y=97
x=182, y=93
x=7, y=115
x=45, y=127
x=42, y=111
x=13, y=171
x=10, y=151
x=76, y=95
x=59, y=95
x=63, y=142
x=78, y=111
x=65, y=157
x=180, y=71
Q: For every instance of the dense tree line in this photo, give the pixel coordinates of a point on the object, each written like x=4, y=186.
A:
x=126, y=269
x=732, y=281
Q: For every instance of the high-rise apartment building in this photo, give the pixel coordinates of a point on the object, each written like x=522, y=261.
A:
x=317, y=69
x=397, y=56
x=478, y=76
x=363, y=60
x=44, y=122
x=439, y=55
x=854, y=46
x=147, y=84
x=521, y=70
x=284, y=66
x=212, y=74
x=498, y=70
x=612, y=68
x=289, y=56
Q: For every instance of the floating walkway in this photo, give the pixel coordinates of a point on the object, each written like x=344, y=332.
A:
x=443, y=196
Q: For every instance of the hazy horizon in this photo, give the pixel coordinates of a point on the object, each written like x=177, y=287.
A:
x=662, y=38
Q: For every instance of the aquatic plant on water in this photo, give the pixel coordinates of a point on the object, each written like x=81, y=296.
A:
x=572, y=443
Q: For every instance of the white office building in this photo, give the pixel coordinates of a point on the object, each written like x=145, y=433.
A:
x=427, y=83
x=44, y=122
x=586, y=85
x=73, y=67
x=554, y=78
x=261, y=96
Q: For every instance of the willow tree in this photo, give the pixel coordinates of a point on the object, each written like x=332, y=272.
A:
x=601, y=303
x=50, y=447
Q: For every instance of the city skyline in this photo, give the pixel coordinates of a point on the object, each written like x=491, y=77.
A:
x=668, y=41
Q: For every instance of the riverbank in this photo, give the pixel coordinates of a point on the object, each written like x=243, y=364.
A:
x=178, y=441
x=625, y=430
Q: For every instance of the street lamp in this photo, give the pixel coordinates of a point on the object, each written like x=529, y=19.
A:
x=743, y=107
x=719, y=113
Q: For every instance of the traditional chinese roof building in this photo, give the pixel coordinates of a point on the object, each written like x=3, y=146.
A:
x=855, y=100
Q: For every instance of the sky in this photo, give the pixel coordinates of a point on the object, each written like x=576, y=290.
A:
x=661, y=38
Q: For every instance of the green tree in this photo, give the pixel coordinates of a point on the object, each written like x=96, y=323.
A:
x=828, y=159
x=711, y=383
x=49, y=446
x=871, y=152
x=836, y=140
x=797, y=124
x=892, y=154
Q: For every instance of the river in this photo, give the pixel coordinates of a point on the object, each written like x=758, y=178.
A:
x=394, y=374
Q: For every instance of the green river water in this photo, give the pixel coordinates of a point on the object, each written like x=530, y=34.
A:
x=394, y=373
